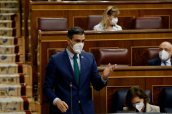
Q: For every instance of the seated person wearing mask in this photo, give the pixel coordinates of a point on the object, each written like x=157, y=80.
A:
x=138, y=101
x=109, y=21
x=164, y=59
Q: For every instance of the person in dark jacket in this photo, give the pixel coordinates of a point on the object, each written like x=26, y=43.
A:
x=164, y=59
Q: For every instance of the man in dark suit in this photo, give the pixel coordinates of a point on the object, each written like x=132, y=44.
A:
x=76, y=67
x=164, y=59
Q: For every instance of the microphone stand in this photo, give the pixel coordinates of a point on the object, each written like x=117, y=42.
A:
x=71, y=96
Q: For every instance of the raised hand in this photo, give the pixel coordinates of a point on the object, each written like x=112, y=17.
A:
x=108, y=71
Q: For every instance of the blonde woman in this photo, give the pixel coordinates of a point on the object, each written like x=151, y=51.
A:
x=109, y=21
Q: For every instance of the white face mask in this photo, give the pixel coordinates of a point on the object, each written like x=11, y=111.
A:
x=163, y=55
x=77, y=48
x=139, y=106
x=114, y=21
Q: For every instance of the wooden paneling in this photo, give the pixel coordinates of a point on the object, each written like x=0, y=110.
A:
x=145, y=77
x=165, y=20
x=126, y=22
x=110, y=91
x=164, y=14
x=53, y=51
x=139, y=55
x=76, y=11
x=137, y=43
x=80, y=21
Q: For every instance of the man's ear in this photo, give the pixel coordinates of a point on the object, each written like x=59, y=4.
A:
x=68, y=40
x=108, y=17
x=170, y=54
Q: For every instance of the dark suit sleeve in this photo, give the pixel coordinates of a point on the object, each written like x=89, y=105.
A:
x=49, y=81
x=148, y=63
x=97, y=83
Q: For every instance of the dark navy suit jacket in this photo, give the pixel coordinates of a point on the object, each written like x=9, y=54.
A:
x=59, y=74
x=155, y=62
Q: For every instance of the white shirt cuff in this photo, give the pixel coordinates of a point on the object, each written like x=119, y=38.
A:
x=54, y=101
x=104, y=81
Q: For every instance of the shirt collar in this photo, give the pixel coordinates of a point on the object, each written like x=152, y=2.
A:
x=168, y=61
x=70, y=54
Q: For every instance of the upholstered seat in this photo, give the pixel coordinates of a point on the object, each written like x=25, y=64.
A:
x=147, y=23
x=113, y=56
x=93, y=20
x=166, y=100
x=119, y=98
x=52, y=24
x=152, y=53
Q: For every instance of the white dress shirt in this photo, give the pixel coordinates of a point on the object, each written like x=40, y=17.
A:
x=168, y=62
x=71, y=55
x=100, y=27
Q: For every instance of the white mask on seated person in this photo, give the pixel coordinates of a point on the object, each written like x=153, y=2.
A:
x=139, y=106
x=77, y=48
x=114, y=21
x=163, y=55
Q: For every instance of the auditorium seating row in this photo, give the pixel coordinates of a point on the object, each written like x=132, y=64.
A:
x=121, y=57
x=77, y=13
x=166, y=100
x=60, y=24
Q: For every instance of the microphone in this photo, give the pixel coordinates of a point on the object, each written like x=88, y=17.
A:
x=71, y=96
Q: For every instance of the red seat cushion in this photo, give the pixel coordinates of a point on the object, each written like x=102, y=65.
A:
x=93, y=20
x=52, y=24
x=113, y=56
x=147, y=23
x=152, y=53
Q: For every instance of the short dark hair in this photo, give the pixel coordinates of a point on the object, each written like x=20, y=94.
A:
x=135, y=92
x=74, y=30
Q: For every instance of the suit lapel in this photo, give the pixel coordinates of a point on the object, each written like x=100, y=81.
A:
x=159, y=61
x=83, y=65
x=148, y=108
x=68, y=64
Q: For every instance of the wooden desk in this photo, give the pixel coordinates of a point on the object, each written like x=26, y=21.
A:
x=76, y=13
x=151, y=78
x=136, y=41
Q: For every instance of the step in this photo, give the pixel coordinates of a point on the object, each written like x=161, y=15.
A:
x=11, y=49
x=17, y=104
x=21, y=112
x=15, y=79
x=5, y=40
x=15, y=90
x=15, y=68
x=9, y=68
x=11, y=58
x=9, y=32
x=9, y=10
x=7, y=24
x=9, y=4
x=7, y=16
x=8, y=0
